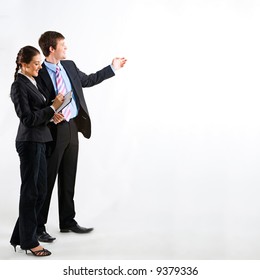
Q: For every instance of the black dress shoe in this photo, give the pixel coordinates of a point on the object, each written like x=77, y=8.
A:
x=45, y=237
x=76, y=229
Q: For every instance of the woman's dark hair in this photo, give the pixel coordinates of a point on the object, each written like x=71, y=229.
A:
x=25, y=55
x=49, y=39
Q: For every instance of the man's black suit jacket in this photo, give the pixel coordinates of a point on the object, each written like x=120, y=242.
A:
x=78, y=81
x=32, y=110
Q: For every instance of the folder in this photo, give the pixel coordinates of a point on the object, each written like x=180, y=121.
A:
x=67, y=100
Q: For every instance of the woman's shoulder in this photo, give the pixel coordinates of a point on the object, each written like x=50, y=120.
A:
x=20, y=82
x=18, y=86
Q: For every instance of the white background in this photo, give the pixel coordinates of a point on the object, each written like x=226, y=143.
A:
x=172, y=168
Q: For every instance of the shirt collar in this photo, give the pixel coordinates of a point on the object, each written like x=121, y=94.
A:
x=30, y=79
x=52, y=66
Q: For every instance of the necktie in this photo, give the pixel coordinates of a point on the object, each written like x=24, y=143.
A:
x=61, y=88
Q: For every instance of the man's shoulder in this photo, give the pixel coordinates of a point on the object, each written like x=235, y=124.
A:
x=67, y=63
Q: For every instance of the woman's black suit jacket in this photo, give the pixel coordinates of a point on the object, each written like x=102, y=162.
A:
x=32, y=110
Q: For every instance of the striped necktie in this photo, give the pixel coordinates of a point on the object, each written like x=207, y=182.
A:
x=61, y=88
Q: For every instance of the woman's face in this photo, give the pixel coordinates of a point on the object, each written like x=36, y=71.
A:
x=33, y=67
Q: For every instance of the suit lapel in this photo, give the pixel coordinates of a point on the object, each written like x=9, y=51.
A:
x=70, y=75
x=42, y=92
x=49, y=91
x=33, y=88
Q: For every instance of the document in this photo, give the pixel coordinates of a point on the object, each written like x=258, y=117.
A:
x=67, y=100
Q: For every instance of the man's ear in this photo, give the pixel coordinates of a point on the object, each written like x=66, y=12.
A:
x=51, y=49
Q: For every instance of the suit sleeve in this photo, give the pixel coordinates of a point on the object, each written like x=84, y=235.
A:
x=30, y=114
x=95, y=78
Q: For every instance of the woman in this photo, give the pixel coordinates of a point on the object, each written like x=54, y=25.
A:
x=30, y=106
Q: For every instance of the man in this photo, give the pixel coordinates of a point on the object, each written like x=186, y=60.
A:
x=60, y=75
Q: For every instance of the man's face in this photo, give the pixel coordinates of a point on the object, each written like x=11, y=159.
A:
x=60, y=51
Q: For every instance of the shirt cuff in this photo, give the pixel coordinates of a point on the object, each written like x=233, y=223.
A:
x=113, y=69
x=52, y=108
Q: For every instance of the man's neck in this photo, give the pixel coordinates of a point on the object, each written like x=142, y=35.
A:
x=51, y=59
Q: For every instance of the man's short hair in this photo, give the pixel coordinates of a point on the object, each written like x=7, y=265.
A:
x=49, y=39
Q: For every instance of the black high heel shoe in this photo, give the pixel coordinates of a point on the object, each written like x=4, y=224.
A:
x=40, y=253
x=14, y=245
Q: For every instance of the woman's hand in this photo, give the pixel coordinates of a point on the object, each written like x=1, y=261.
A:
x=57, y=118
x=58, y=101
